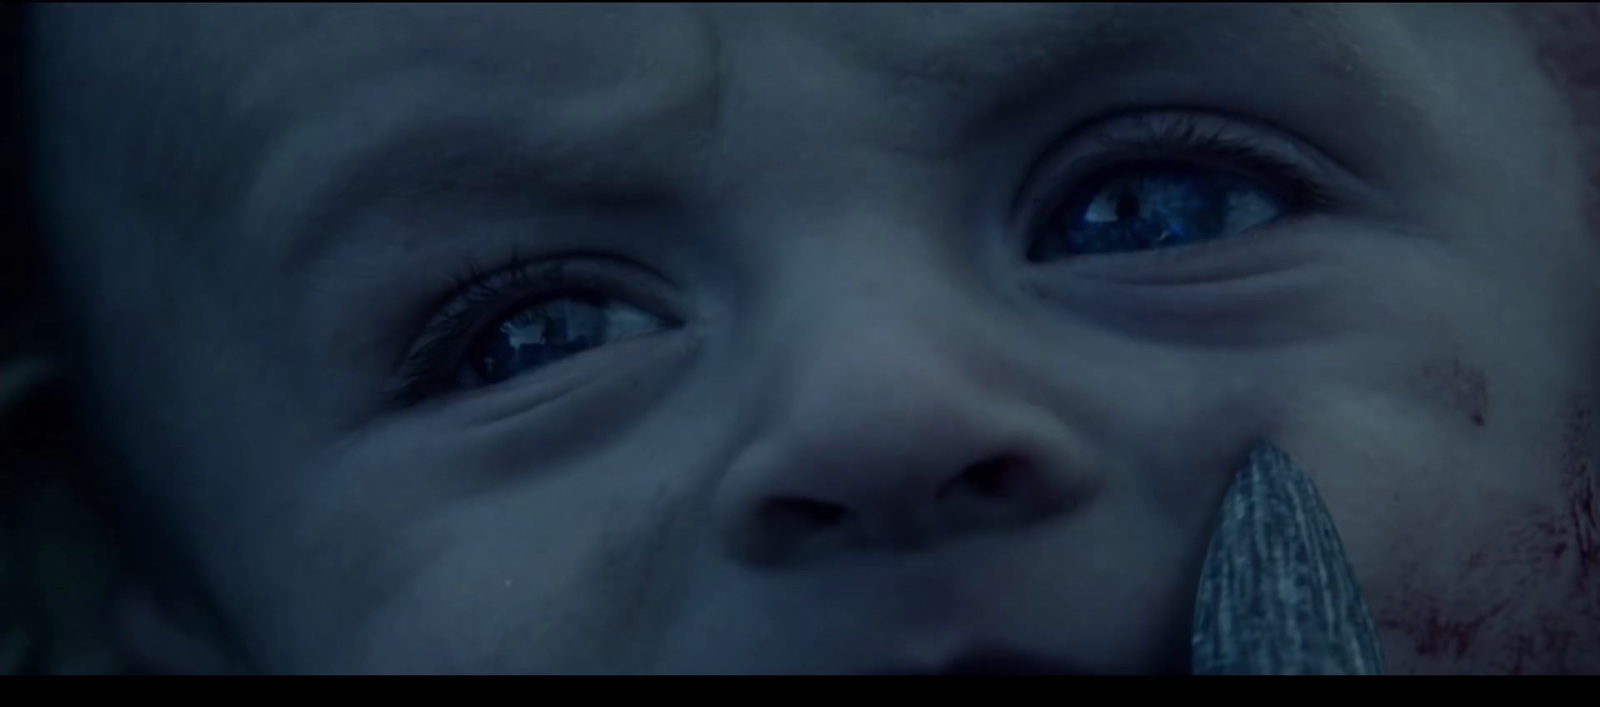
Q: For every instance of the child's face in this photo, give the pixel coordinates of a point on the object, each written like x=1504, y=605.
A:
x=824, y=339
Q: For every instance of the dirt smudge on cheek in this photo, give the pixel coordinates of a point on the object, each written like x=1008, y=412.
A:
x=1459, y=385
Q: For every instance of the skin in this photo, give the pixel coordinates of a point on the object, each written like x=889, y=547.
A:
x=882, y=437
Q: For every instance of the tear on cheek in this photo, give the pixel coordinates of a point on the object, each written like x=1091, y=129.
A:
x=1460, y=386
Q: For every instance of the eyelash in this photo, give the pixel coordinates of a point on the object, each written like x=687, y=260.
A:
x=1177, y=139
x=480, y=296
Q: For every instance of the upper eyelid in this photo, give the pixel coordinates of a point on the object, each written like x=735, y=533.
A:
x=1296, y=172
x=550, y=275
x=480, y=296
x=474, y=286
x=1076, y=153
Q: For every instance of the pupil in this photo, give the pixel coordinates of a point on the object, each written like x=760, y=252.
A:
x=1127, y=204
x=540, y=335
x=554, y=329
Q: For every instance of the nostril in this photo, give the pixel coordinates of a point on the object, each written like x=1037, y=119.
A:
x=806, y=513
x=990, y=479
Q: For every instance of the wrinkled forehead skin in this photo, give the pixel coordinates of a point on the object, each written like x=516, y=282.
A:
x=260, y=69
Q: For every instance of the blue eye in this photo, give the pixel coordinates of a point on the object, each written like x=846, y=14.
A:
x=1155, y=207
x=525, y=315
x=551, y=330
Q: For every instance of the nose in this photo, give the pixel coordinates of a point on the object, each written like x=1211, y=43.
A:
x=889, y=441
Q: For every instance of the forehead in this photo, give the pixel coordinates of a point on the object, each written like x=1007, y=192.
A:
x=228, y=38
x=274, y=53
x=212, y=94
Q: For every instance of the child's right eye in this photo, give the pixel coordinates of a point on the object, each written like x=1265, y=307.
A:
x=523, y=317
x=547, y=331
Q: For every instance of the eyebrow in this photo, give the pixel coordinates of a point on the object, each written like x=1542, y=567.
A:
x=460, y=150
x=465, y=162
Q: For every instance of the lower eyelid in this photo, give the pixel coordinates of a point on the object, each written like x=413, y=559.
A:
x=1270, y=247
x=518, y=395
x=636, y=320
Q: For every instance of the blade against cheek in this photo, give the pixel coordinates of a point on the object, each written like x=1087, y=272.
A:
x=1277, y=595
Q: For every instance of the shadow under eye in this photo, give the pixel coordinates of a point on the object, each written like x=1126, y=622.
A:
x=1156, y=207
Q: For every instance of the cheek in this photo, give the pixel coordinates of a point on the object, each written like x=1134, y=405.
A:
x=1458, y=385
x=1471, y=573
x=580, y=584
x=1478, y=543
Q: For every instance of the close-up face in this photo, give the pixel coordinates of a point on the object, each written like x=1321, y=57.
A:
x=816, y=339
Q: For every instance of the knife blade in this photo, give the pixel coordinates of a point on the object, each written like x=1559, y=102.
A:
x=1277, y=595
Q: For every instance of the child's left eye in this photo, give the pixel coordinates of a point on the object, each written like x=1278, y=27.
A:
x=1164, y=179
x=1155, y=207
x=550, y=330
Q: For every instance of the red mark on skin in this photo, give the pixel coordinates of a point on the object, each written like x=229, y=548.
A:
x=1476, y=560
x=1527, y=652
x=1462, y=386
x=1564, y=543
x=1436, y=632
x=1527, y=599
x=1481, y=623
